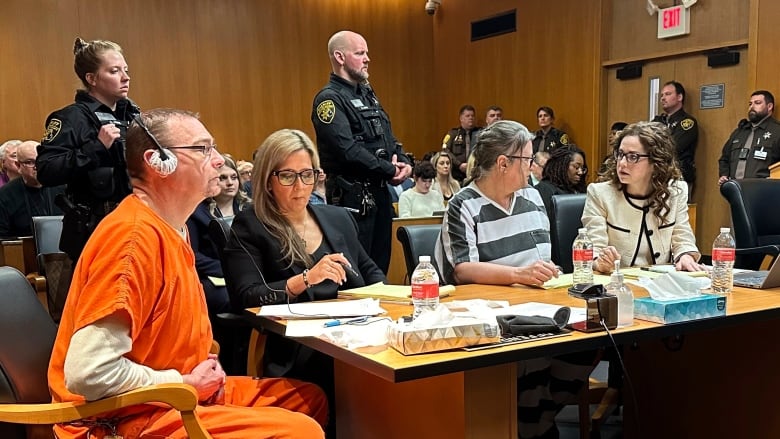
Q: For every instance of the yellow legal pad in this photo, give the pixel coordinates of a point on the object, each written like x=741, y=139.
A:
x=402, y=293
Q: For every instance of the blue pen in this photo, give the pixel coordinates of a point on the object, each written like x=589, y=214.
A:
x=333, y=323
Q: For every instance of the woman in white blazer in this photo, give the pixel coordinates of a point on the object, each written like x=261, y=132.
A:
x=638, y=213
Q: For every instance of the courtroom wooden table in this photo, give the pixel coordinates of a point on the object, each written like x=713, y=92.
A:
x=458, y=394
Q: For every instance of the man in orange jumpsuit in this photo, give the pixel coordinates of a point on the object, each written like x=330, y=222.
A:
x=136, y=313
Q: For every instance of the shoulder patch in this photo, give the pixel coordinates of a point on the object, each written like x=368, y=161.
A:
x=52, y=130
x=564, y=139
x=687, y=123
x=326, y=110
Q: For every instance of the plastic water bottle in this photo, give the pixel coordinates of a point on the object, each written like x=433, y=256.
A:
x=723, y=262
x=425, y=286
x=582, y=257
x=625, y=297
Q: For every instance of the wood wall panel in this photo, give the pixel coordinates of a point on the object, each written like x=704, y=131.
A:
x=551, y=60
x=248, y=67
x=764, y=47
x=634, y=32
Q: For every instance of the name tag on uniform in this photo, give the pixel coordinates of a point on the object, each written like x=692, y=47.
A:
x=357, y=103
x=759, y=154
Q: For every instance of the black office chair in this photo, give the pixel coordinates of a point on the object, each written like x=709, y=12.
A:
x=26, y=343
x=755, y=209
x=55, y=268
x=566, y=219
x=417, y=241
x=240, y=344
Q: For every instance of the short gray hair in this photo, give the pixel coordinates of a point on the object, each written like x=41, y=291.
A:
x=7, y=144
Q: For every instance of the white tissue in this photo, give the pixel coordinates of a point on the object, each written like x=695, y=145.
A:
x=672, y=286
x=431, y=318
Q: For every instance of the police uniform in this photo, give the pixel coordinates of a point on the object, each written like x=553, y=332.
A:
x=356, y=144
x=459, y=142
x=547, y=142
x=685, y=132
x=96, y=177
x=763, y=151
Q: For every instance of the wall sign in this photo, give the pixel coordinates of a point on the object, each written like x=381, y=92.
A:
x=712, y=96
x=673, y=22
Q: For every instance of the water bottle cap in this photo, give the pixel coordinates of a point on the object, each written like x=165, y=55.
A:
x=425, y=258
x=725, y=230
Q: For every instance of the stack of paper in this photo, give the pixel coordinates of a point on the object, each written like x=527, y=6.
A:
x=381, y=291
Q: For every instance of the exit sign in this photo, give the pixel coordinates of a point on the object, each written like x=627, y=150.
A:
x=674, y=21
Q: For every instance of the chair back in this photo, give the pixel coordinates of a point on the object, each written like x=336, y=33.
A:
x=417, y=241
x=46, y=231
x=25, y=345
x=754, y=212
x=566, y=219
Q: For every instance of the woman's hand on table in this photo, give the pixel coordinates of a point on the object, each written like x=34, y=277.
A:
x=537, y=273
x=687, y=263
x=605, y=263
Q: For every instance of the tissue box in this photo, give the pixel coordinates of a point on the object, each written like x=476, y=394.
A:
x=409, y=340
x=680, y=310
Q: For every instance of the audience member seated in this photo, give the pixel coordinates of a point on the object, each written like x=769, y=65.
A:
x=318, y=193
x=420, y=200
x=564, y=173
x=229, y=201
x=396, y=190
x=461, y=140
x=496, y=232
x=22, y=198
x=9, y=166
x=547, y=136
x=639, y=213
x=537, y=167
x=244, y=171
x=494, y=113
x=444, y=183
x=136, y=313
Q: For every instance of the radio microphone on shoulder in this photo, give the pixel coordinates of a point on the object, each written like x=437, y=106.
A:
x=445, y=140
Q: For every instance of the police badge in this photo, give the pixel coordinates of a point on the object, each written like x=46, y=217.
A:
x=52, y=130
x=687, y=124
x=326, y=110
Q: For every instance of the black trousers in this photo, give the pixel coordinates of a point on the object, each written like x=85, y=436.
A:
x=375, y=229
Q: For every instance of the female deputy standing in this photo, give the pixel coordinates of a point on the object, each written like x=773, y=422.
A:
x=83, y=146
x=639, y=214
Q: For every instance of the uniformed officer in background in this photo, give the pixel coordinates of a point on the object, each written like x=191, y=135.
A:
x=755, y=145
x=357, y=147
x=684, y=129
x=83, y=146
x=547, y=136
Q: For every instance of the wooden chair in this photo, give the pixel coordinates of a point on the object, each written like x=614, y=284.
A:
x=28, y=335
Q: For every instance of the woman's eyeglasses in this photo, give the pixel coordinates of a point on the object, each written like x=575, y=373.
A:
x=521, y=157
x=287, y=177
x=631, y=157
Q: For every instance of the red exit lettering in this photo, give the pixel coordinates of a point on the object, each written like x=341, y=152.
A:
x=671, y=18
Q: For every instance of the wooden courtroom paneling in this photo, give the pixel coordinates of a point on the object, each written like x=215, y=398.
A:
x=551, y=60
x=764, y=38
x=248, y=67
x=633, y=31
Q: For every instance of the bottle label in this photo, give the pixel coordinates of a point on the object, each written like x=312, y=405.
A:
x=425, y=290
x=582, y=254
x=723, y=254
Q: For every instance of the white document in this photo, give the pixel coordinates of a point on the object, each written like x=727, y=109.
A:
x=321, y=310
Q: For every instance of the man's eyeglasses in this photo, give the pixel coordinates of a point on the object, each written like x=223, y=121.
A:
x=521, y=157
x=28, y=163
x=287, y=177
x=204, y=149
x=631, y=157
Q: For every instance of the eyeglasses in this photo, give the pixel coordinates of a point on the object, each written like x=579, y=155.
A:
x=287, y=177
x=579, y=168
x=226, y=177
x=521, y=157
x=206, y=150
x=631, y=157
x=28, y=163
x=242, y=173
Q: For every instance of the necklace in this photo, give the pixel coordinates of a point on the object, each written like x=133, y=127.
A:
x=303, y=235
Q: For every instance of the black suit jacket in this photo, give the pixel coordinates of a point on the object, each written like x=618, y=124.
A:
x=256, y=275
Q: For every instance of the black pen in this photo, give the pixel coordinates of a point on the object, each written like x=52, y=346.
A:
x=348, y=268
